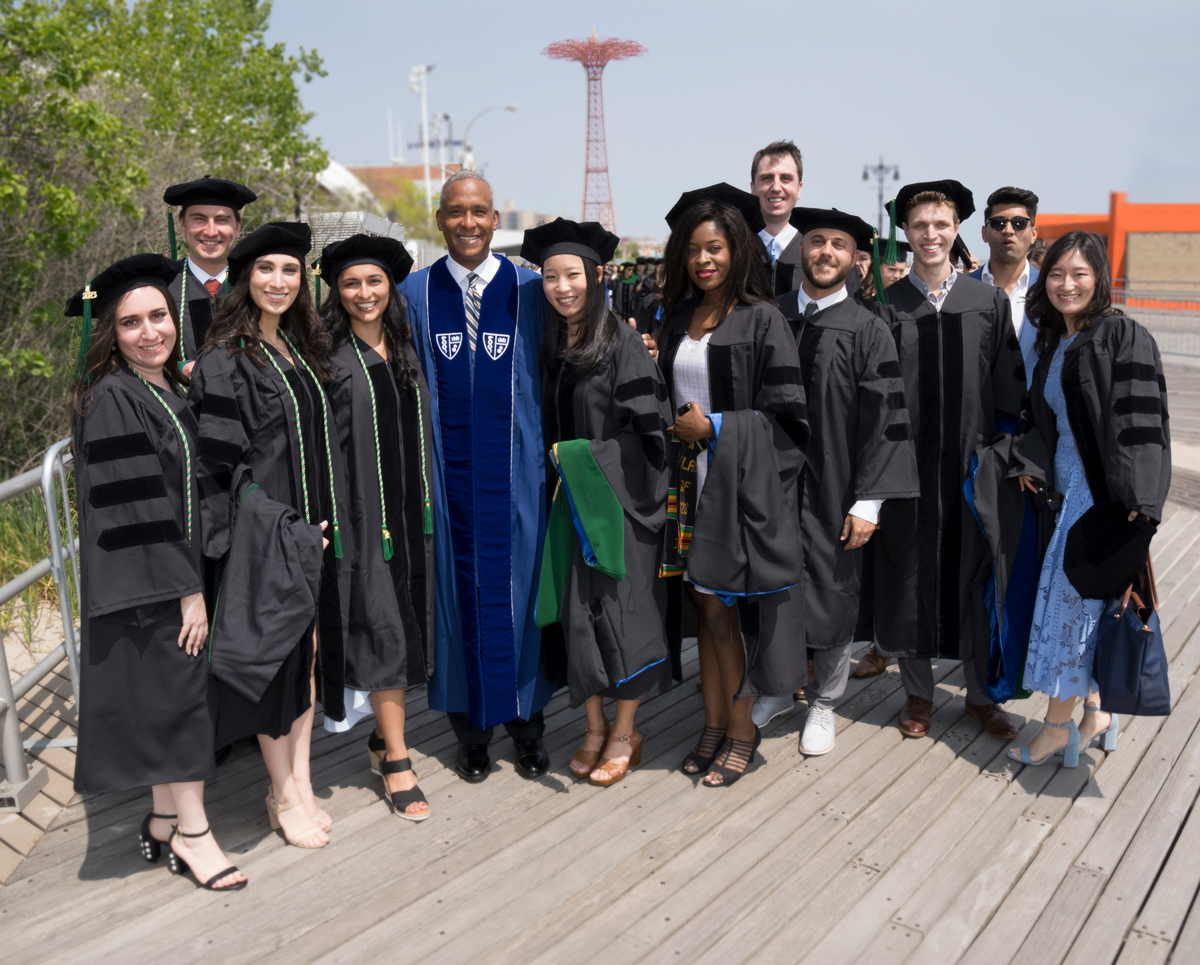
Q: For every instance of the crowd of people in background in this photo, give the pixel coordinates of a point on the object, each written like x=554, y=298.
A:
x=782, y=438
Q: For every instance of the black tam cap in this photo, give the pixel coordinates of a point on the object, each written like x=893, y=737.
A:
x=963, y=200
x=743, y=201
x=108, y=287
x=386, y=253
x=805, y=220
x=1106, y=552
x=587, y=239
x=208, y=190
x=274, y=238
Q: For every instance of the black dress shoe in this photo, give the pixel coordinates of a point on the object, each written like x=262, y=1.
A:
x=532, y=759
x=472, y=762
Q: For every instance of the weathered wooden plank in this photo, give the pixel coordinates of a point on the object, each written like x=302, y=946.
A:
x=1129, y=883
x=10, y=860
x=1187, y=945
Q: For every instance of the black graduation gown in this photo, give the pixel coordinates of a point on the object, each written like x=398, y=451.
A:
x=786, y=274
x=963, y=383
x=246, y=419
x=752, y=365
x=860, y=448
x=196, y=316
x=1112, y=379
x=389, y=642
x=144, y=716
x=615, y=634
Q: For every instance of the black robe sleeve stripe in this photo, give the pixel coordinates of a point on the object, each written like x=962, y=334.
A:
x=133, y=490
x=126, y=446
x=1144, y=404
x=140, y=534
x=221, y=407
x=886, y=466
x=635, y=388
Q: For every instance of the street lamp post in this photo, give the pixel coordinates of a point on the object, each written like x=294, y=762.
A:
x=880, y=172
x=467, y=159
x=418, y=80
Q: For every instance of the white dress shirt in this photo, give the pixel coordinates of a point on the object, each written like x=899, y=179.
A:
x=781, y=240
x=1017, y=298
x=202, y=275
x=486, y=272
x=867, y=509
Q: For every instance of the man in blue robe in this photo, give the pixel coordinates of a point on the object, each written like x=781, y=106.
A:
x=477, y=321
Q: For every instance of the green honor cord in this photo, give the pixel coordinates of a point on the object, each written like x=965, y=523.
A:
x=187, y=450
x=388, y=552
x=337, y=536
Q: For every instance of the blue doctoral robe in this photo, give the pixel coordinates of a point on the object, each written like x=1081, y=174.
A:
x=489, y=490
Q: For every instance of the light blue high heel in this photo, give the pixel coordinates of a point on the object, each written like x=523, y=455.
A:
x=1070, y=753
x=1106, y=740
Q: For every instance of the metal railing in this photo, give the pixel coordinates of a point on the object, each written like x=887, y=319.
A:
x=22, y=780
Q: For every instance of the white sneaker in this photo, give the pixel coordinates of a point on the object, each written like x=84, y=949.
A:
x=766, y=709
x=818, y=732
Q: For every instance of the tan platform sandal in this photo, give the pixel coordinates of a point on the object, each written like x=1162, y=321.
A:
x=584, y=761
x=613, y=769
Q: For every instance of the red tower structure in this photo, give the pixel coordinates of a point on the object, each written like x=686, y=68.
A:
x=595, y=55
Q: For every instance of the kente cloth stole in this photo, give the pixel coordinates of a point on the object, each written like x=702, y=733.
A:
x=681, y=508
x=476, y=421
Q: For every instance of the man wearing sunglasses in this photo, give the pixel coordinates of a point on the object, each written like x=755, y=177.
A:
x=1009, y=230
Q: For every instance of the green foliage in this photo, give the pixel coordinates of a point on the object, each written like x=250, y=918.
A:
x=102, y=104
x=405, y=204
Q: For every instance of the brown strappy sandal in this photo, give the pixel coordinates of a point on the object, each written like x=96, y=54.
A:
x=584, y=761
x=613, y=769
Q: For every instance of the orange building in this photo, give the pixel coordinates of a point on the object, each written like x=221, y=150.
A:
x=384, y=181
x=1154, y=249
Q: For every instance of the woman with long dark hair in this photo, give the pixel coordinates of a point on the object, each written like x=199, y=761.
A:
x=604, y=416
x=269, y=493
x=143, y=710
x=730, y=362
x=379, y=406
x=1095, y=430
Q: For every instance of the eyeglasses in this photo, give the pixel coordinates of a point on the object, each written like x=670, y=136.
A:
x=1019, y=224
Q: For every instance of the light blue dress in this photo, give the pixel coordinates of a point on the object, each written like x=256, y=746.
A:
x=1063, y=637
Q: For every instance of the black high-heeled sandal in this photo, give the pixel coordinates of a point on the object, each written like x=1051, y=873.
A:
x=737, y=751
x=402, y=799
x=178, y=866
x=150, y=845
x=712, y=739
x=376, y=750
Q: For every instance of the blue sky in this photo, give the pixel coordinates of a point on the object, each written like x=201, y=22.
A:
x=1071, y=99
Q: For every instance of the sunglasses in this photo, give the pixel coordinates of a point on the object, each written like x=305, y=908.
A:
x=1018, y=223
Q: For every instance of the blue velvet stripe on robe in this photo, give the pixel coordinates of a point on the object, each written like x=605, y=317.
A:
x=488, y=474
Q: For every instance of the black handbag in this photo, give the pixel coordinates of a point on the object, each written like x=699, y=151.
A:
x=1130, y=661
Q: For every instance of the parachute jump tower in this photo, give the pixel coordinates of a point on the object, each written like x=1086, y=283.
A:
x=594, y=54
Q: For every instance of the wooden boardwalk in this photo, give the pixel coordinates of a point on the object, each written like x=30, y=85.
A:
x=886, y=850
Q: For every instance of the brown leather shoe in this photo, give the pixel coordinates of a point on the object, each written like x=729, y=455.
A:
x=872, y=664
x=996, y=722
x=914, y=718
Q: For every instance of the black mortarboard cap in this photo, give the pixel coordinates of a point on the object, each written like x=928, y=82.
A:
x=587, y=239
x=805, y=220
x=743, y=201
x=208, y=190
x=107, y=288
x=386, y=253
x=1106, y=552
x=274, y=238
x=963, y=200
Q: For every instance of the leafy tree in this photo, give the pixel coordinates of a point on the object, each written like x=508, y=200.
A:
x=102, y=104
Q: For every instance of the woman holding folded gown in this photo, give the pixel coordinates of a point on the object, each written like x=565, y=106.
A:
x=267, y=460
x=379, y=406
x=1094, y=428
x=604, y=412
x=144, y=716
x=730, y=363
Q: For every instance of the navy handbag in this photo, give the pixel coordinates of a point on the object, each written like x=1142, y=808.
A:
x=1130, y=661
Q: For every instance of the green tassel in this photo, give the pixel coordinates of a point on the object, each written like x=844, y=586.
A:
x=85, y=333
x=225, y=285
x=890, y=256
x=337, y=543
x=317, y=276
x=877, y=271
x=171, y=235
x=388, y=553
x=428, y=519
